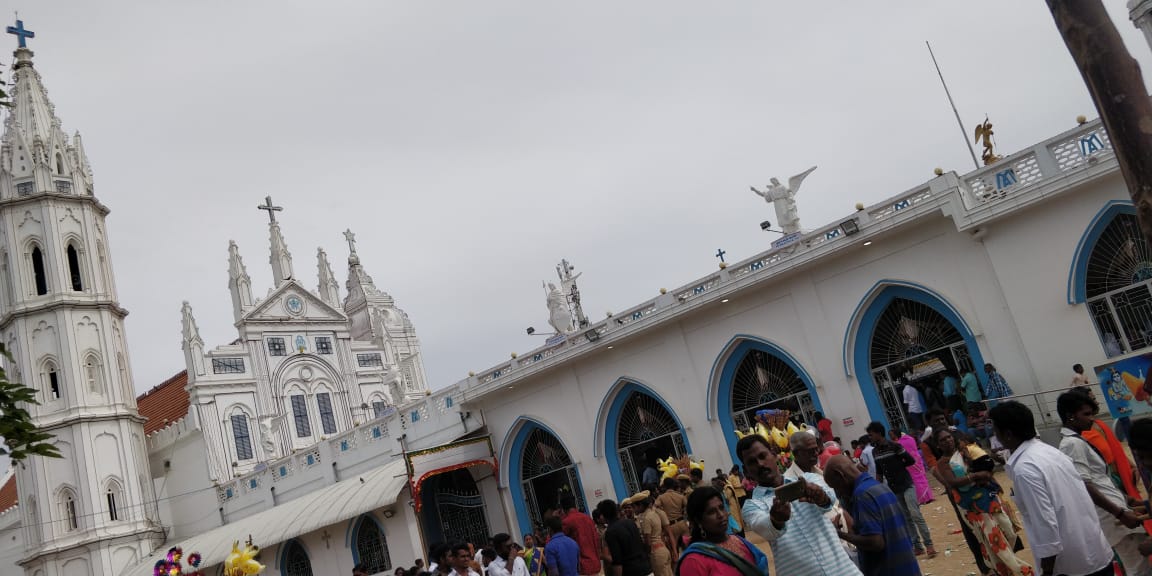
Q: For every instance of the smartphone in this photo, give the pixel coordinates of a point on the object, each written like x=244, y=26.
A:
x=791, y=491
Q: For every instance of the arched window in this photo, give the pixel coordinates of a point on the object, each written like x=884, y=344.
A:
x=327, y=417
x=296, y=561
x=34, y=520
x=122, y=369
x=300, y=416
x=372, y=547
x=114, y=498
x=69, y=510
x=241, y=436
x=38, y=275
x=51, y=380
x=1117, y=287
x=74, y=269
x=6, y=287
x=59, y=163
x=93, y=374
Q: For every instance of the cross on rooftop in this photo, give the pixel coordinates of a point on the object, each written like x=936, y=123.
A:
x=21, y=33
x=720, y=254
x=272, y=210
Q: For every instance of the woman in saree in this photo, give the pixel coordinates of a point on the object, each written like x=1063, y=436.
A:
x=714, y=551
x=917, y=470
x=978, y=498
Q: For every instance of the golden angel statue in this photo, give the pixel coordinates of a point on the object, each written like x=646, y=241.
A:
x=984, y=133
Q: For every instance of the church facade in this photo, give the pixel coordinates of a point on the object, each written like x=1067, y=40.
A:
x=316, y=434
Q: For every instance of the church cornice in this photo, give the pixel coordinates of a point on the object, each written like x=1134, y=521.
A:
x=73, y=417
x=25, y=310
x=38, y=198
x=131, y=535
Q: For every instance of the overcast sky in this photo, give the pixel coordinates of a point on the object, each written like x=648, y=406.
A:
x=472, y=145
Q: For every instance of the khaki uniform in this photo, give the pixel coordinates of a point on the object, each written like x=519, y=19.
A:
x=675, y=504
x=652, y=531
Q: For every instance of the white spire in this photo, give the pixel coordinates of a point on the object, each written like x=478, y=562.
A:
x=34, y=151
x=280, y=259
x=188, y=322
x=193, y=344
x=360, y=285
x=238, y=282
x=329, y=289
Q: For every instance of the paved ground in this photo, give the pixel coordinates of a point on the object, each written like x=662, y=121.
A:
x=954, y=559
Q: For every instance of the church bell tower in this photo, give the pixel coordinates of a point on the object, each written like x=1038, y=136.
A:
x=92, y=511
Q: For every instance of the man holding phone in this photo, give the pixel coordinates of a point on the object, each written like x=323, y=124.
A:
x=790, y=516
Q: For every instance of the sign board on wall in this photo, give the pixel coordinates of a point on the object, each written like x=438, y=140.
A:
x=1125, y=387
x=848, y=422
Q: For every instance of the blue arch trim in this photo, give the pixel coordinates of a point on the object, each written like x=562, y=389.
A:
x=353, y=530
x=867, y=325
x=852, y=332
x=283, y=554
x=611, y=422
x=515, y=465
x=1078, y=274
x=743, y=344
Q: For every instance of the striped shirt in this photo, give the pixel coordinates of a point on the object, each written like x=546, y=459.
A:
x=808, y=544
x=875, y=510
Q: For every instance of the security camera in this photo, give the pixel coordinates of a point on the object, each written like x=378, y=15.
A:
x=765, y=225
x=530, y=330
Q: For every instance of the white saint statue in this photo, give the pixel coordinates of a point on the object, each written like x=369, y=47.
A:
x=559, y=316
x=268, y=426
x=783, y=199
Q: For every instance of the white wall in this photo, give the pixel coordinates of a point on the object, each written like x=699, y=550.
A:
x=1009, y=287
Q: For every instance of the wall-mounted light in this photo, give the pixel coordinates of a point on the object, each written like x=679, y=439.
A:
x=850, y=227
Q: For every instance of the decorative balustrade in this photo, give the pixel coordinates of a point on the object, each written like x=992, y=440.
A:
x=1072, y=150
x=1012, y=176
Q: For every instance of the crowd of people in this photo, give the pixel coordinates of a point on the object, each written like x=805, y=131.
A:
x=838, y=512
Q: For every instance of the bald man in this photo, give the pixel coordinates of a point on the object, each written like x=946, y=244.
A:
x=879, y=529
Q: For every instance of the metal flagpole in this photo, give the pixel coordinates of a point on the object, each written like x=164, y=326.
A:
x=963, y=131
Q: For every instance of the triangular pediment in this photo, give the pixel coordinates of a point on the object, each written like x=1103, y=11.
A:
x=293, y=303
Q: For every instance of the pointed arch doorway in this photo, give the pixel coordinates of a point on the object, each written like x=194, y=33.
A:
x=908, y=335
x=542, y=473
x=640, y=428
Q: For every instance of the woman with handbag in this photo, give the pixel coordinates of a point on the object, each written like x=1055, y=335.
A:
x=713, y=551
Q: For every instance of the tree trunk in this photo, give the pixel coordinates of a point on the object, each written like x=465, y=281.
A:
x=1117, y=88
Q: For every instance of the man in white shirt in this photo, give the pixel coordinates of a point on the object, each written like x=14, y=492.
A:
x=500, y=566
x=914, y=407
x=867, y=462
x=1121, y=526
x=1059, y=517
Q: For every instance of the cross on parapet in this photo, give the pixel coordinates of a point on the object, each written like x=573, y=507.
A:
x=720, y=254
x=20, y=32
x=272, y=210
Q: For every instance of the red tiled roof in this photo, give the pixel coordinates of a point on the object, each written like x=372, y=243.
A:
x=165, y=404
x=8, y=494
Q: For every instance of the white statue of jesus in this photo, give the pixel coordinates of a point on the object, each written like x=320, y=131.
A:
x=559, y=316
x=783, y=199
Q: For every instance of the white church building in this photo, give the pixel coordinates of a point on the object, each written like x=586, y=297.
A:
x=315, y=433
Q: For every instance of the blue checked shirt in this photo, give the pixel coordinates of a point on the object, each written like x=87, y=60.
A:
x=808, y=544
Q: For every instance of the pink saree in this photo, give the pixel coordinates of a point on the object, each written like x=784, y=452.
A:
x=919, y=478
